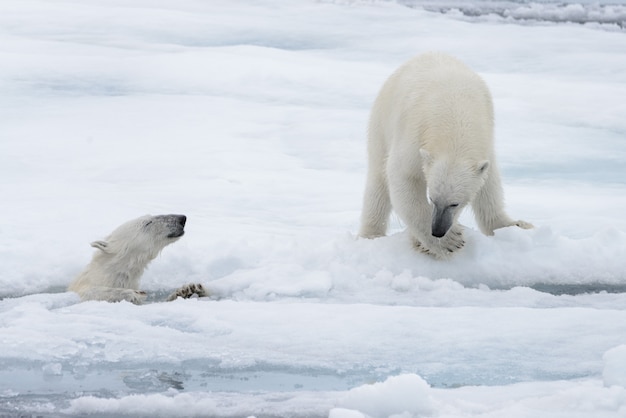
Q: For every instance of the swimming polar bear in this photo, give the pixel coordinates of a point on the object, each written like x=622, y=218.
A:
x=431, y=153
x=115, y=270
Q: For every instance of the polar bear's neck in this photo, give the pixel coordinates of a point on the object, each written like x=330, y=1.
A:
x=126, y=270
x=116, y=270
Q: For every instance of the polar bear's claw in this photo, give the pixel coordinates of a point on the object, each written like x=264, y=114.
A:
x=189, y=291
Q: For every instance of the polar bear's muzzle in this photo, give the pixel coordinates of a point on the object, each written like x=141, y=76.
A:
x=442, y=220
x=175, y=224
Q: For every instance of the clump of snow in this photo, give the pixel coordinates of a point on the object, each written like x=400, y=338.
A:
x=399, y=396
x=614, y=372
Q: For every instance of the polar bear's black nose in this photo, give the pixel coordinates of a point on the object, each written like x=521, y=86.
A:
x=439, y=233
x=176, y=225
x=442, y=221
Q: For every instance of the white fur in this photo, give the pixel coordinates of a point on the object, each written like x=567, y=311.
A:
x=116, y=268
x=430, y=146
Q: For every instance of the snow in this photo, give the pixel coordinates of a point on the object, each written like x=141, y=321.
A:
x=614, y=373
x=404, y=394
x=249, y=117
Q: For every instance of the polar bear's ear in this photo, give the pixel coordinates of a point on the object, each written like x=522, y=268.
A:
x=101, y=245
x=482, y=167
x=426, y=157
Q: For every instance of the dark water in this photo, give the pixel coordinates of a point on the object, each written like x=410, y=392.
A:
x=578, y=289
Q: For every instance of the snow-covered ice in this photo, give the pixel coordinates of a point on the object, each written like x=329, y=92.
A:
x=249, y=117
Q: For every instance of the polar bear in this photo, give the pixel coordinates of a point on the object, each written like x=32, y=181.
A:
x=431, y=153
x=115, y=270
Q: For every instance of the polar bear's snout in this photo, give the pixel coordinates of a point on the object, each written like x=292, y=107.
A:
x=178, y=227
x=442, y=220
x=175, y=224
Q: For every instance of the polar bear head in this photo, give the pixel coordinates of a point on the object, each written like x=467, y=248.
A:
x=145, y=236
x=452, y=183
x=116, y=268
x=126, y=252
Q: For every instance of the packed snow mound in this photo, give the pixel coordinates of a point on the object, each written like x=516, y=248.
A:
x=400, y=396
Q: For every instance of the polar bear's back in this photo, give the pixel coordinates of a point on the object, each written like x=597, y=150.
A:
x=437, y=100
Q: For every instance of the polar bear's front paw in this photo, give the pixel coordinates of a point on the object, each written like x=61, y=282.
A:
x=421, y=247
x=523, y=224
x=134, y=296
x=442, y=247
x=188, y=291
x=453, y=240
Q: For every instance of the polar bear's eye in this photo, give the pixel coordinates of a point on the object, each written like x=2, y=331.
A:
x=454, y=205
x=148, y=223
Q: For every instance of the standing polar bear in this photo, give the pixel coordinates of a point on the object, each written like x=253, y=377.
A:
x=115, y=270
x=431, y=153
